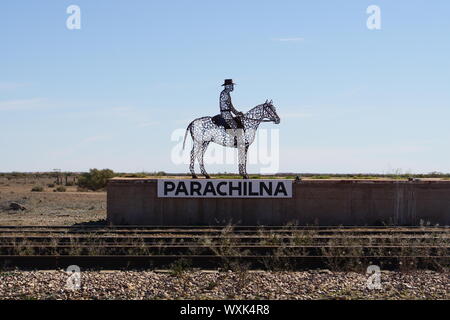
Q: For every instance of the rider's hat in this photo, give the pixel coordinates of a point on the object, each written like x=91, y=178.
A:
x=228, y=82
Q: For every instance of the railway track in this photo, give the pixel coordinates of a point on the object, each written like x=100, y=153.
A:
x=281, y=247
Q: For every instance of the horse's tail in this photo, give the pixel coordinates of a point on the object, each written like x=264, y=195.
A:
x=185, y=135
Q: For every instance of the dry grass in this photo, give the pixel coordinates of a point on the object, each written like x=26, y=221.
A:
x=48, y=207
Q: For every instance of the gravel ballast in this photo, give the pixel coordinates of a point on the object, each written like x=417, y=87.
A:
x=322, y=284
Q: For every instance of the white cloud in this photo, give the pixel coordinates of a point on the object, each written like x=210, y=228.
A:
x=72, y=149
x=94, y=139
x=295, y=115
x=124, y=110
x=183, y=121
x=11, y=85
x=148, y=124
x=23, y=104
x=293, y=39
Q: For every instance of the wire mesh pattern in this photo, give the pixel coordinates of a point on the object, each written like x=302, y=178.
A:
x=204, y=131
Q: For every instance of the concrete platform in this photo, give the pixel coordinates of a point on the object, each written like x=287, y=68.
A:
x=134, y=201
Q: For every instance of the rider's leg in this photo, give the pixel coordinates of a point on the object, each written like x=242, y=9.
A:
x=231, y=131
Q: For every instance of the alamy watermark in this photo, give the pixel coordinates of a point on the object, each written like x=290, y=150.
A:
x=374, y=20
x=73, y=282
x=264, y=151
x=73, y=22
x=374, y=280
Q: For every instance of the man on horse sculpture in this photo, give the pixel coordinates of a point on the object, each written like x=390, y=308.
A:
x=225, y=130
x=226, y=106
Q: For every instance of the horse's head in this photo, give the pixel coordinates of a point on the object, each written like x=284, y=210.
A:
x=270, y=112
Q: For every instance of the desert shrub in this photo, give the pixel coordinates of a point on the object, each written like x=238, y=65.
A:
x=321, y=177
x=37, y=189
x=178, y=267
x=95, y=179
x=51, y=185
x=60, y=189
x=135, y=175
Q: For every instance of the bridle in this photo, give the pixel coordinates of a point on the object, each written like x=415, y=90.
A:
x=260, y=120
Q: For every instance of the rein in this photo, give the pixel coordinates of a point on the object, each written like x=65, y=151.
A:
x=265, y=120
x=260, y=120
x=254, y=119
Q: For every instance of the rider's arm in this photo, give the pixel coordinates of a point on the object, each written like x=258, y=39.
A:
x=234, y=110
x=225, y=102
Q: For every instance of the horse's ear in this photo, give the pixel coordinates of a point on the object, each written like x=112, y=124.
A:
x=271, y=101
x=267, y=100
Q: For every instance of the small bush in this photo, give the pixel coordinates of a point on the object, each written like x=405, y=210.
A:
x=60, y=189
x=51, y=185
x=135, y=175
x=178, y=267
x=37, y=189
x=321, y=177
x=95, y=179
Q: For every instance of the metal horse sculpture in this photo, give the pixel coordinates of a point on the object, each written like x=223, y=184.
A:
x=204, y=131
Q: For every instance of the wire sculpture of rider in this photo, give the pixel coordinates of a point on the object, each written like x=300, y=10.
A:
x=227, y=110
x=226, y=106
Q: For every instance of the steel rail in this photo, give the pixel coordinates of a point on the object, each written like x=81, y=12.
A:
x=431, y=251
x=210, y=261
x=87, y=226
x=219, y=232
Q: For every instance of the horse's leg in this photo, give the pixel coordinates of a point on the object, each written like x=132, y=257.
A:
x=245, y=161
x=200, y=159
x=194, y=153
x=242, y=153
x=242, y=156
x=241, y=165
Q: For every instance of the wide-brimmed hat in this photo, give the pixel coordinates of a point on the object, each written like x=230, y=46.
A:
x=228, y=82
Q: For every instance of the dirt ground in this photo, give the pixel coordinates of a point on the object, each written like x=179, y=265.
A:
x=49, y=207
x=74, y=207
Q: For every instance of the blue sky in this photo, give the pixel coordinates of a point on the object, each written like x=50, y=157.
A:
x=111, y=94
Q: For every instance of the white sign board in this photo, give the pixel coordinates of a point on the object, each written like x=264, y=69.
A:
x=224, y=188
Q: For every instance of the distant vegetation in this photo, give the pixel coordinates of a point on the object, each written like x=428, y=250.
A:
x=358, y=176
x=60, y=189
x=95, y=179
x=142, y=174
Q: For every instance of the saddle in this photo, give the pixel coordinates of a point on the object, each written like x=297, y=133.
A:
x=218, y=120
